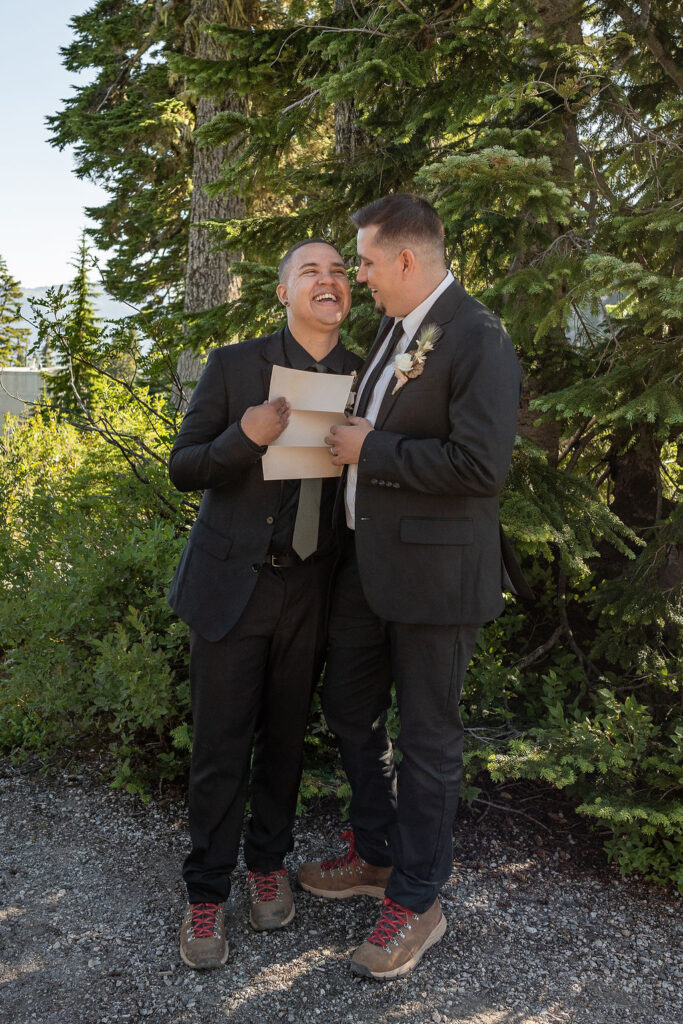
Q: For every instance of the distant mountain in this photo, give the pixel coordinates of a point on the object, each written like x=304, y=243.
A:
x=106, y=307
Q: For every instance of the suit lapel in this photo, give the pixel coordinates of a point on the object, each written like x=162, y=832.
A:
x=382, y=331
x=272, y=352
x=441, y=314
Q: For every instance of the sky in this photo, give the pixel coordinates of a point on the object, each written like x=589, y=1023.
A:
x=42, y=204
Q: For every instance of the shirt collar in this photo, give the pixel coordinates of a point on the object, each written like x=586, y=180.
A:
x=299, y=359
x=412, y=320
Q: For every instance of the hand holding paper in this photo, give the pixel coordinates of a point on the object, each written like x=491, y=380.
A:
x=264, y=423
x=317, y=402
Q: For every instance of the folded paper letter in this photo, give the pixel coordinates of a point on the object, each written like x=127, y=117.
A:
x=318, y=401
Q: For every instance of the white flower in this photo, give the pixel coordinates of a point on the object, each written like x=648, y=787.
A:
x=404, y=361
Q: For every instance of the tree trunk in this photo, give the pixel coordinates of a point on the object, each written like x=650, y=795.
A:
x=348, y=136
x=209, y=279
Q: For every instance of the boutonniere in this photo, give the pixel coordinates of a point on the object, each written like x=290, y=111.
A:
x=410, y=365
x=351, y=400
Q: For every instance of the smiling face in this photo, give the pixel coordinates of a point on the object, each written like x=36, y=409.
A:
x=315, y=289
x=384, y=272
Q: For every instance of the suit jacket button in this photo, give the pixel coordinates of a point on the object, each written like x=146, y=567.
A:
x=270, y=520
x=397, y=484
x=373, y=481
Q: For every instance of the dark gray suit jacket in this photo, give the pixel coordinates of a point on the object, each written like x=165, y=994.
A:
x=427, y=518
x=214, y=579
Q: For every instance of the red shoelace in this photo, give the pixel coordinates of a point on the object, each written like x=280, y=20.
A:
x=392, y=919
x=265, y=884
x=204, y=919
x=347, y=858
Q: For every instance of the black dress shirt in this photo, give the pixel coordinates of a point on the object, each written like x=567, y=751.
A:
x=297, y=358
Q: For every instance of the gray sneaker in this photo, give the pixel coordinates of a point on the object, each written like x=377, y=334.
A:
x=271, y=904
x=202, y=936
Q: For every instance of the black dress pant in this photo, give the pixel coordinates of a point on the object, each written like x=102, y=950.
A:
x=403, y=817
x=252, y=691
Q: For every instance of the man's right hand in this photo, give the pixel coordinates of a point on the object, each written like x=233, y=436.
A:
x=263, y=424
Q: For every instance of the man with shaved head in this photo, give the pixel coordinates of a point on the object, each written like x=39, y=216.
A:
x=252, y=584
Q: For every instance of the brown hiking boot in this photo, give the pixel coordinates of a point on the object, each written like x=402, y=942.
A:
x=202, y=936
x=270, y=900
x=398, y=941
x=348, y=875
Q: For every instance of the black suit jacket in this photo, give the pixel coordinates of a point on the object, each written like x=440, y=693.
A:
x=214, y=578
x=427, y=518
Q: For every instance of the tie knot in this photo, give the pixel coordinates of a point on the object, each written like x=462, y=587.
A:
x=397, y=333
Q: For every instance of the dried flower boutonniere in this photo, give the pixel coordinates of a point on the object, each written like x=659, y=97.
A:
x=410, y=365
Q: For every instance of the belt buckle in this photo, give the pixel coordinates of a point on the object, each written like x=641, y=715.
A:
x=274, y=561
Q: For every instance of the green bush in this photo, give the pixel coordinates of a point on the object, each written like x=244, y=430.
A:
x=91, y=648
x=92, y=656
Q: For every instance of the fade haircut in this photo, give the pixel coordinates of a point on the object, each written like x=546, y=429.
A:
x=287, y=258
x=403, y=219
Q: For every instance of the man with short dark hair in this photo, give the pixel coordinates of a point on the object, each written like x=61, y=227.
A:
x=426, y=452
x=252, y=584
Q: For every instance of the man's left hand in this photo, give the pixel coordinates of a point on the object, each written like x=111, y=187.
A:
x=345, y=441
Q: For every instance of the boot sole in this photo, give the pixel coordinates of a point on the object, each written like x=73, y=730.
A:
x=271, y=927
x=209, y=964
x=435, y=936
x=342, y=894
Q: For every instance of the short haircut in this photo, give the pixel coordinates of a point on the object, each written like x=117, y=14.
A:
x=287, y=258
x=403, y=219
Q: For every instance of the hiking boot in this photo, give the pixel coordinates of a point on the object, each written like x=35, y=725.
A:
x=398, y=941
x=202, y=936
x=348, y=875
x=270, y=900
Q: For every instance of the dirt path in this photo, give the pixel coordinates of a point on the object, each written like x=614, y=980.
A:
x=91, y=900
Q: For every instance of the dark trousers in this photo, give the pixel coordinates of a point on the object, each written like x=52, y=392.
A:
x=252, y=691
x=403, y=817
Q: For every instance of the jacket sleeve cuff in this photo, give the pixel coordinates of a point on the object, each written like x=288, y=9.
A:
x=233, y=448
x=257, y=449
x=378, y=454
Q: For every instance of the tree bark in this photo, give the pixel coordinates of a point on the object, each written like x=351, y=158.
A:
x=209, y=279
x=348, y=136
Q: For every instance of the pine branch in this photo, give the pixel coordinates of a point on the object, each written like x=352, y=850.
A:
x=639, y=28
x=538, y=653
x=584, y=661
x=162, y=9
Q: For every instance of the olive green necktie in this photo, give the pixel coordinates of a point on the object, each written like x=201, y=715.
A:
x=307, y=522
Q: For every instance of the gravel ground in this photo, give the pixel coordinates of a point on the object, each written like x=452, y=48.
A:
x=539, y=929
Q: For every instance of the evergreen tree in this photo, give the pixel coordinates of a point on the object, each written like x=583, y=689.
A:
x=74, y=336
x=14, y=334
x=131, y=126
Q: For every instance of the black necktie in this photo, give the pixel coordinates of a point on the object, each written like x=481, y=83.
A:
x=368, y=385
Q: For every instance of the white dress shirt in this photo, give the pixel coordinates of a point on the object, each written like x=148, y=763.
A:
x=411, y=324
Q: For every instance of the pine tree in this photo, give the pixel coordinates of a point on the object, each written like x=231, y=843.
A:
x=14, y=334
x=75, y=336
x=131, y=126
